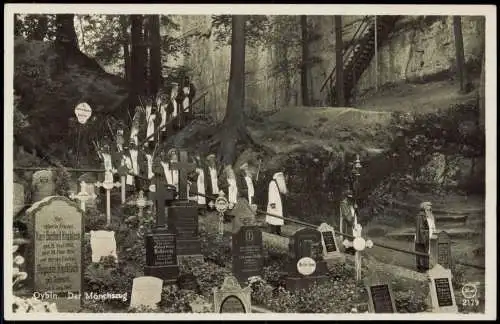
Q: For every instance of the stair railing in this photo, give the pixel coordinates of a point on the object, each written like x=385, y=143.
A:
x=347, y=50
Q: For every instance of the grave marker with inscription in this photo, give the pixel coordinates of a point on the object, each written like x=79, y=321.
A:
x=146, y=292
x=306, y=244
x=103, y=244
x=380, y=296
x=248, y=253
x=231, y=298
x=330, y=243
x=161, y=256
x=441, y=290
x=444, y=250
x=42, y=185
x=55, y=260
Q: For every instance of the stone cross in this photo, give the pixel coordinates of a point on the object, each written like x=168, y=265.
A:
x=82, y=196
x=184, y=168
x=123, y=171
x=141, y=202
x=221, y=205
x=159, y=194
x=108, y=184
x=359, y=244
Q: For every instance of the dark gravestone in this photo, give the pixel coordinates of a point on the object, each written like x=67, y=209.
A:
x=55, y=259
x=183, y=221
x=188, y=281
x=443, y=291
x=248, y=254
x=163, y=196
x=232, y=304
x=381, y=299
x=329, y=242
x=444, y=250
x=306, y=243
x=161, y=257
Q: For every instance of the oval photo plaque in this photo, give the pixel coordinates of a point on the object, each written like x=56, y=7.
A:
x=306, y=266
x=232, y=304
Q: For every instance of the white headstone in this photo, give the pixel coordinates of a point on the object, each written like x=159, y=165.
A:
x=103, y=244
x=441, y=290
x=274, y=205
x=146, y=292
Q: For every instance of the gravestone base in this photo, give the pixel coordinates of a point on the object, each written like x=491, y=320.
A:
x=298, y=283
x=182, y=259
x=168, y=274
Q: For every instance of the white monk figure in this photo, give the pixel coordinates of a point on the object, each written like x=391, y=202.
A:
x=107, y=159
x=162, y=115
x=246, y=187
x=212, y=182
x=200, y=183
x=136, y=125
x=276, y=202
x=150, y=120
x=136, y=161
x=232, y=187
x=173, y=105
x=173, y=158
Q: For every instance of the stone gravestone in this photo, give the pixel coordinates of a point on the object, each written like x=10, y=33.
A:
x=441, y=290
x=331, y=246
x=18, y=191
x=55, y=260
x=444, y=250
x=146, y=292
x=183, y=221
x=231, y=298
x=42, y=185
x=103, y=244
x=161, y=257
x=242, y=214
x=380, y=296
x=248, y=253
x=307, y=265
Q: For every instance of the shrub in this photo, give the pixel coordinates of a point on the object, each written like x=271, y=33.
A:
x=209, y=275
x=216, y=250
x=408, y=302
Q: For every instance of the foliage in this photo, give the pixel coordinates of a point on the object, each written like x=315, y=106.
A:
x=18, y=275
x=174, y=300
x=214, y=249
x=62, y=179
x=208, y=274
x=32, y=305
x=408, y=302
x=108, y=276
x=255, y=30
x=94, y=219
x=35, y=27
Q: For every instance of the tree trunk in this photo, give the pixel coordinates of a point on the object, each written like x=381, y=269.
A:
x=459, y=50
x=155, y=54
x=66, y=34
x=339, y=63
x=234, y=121
x=137, y=60
x=304, y=80
x=124, y=23
x=41, y=28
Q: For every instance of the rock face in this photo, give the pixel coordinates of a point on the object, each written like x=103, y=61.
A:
x=419, y=47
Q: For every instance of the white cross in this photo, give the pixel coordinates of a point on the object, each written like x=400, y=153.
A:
x=108, y=184
x=359, y=244
x=141, y=202
x=83, y=195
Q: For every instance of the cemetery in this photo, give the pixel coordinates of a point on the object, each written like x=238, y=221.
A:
x=158, y=192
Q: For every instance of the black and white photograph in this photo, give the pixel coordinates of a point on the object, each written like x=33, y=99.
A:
x=269, y=161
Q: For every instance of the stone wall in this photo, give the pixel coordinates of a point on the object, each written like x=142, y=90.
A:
x=419, y=46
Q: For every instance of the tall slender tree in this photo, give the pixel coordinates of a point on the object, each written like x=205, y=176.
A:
x=124, y=24
x=65, y=33
x=137, y=60
x=304, y=79
x=154, y=53
x=234, y=120
x=339, y=63
x=459, y=51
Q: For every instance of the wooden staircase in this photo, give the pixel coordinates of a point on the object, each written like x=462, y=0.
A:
x=357, y=55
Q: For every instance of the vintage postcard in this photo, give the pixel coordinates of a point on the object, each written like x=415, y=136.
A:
x=168, y=161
